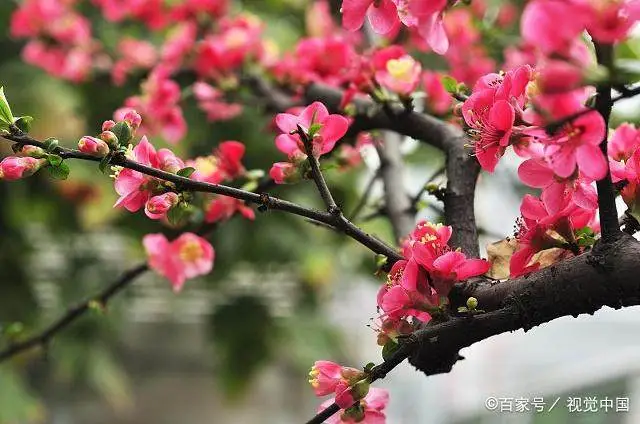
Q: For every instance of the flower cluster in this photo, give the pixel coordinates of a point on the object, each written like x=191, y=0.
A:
x=350, y=387
x=417, y=285
x=385, y=16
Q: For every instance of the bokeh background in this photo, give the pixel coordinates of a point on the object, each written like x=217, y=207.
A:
x=236, y=345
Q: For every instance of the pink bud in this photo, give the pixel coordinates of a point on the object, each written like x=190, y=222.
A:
x=93, y=146
x=158, y=206
x=33, y=151
x=109, y=137
x=14, y=168
x=133, y=119
x=283, y=172
x=107, y=125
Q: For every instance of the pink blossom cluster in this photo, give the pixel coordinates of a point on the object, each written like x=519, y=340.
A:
x=385, y=16
x=417, y=285
x=60, y=39
x=359, y=402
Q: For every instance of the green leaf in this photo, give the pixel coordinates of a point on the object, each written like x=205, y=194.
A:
x=54, y=160
x=389, y=348
x=24, y=123
x=450, y=84
x=6, y=117
x=122, y=130
x=51, y=144
x=186, y=172
x=60, y=172
x=369, y=367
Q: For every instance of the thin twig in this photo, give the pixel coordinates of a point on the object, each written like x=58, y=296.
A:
x=364, y=199
x=270, y=202
x=74, y=313
x=316, y=174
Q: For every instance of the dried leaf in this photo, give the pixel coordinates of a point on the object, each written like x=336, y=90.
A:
x=499, y=254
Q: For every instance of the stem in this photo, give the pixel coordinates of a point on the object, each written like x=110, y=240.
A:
x=316, y=173
x=183, y=183
x=74, y=313
x=606, y=192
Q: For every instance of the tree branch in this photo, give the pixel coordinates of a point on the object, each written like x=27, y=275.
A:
x=462, y=169
x=606, y=276
x=74, y=313
x=270, y=202
x=397, y=201
x=606, y=193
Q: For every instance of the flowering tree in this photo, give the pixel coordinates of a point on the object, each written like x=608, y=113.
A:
x=359, y=78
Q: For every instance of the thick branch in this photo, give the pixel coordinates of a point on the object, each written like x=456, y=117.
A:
x=607, y=276
x=462, y=169
x=397, y=201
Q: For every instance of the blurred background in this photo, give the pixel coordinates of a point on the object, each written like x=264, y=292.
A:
x=236, y=346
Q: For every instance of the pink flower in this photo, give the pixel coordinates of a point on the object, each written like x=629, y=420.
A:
x=93, y=146
x=324, y=129
x=400, y=76
x=325, y=376
x=283, y=172
x=158, y=206
x=223, y=208
x=186, y=257
x=168, y=161
x=576, y=145
x=14, y=168
x=382, y=14
x=452, y=267
x=133, y=186
x=224, y=164
x=211, y=101
x=159, y=105
x=539, y=24
x=624, y=141
x=371, y=411
x=438, y=100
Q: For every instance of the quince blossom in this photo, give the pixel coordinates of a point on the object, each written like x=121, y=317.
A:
x=186, y=257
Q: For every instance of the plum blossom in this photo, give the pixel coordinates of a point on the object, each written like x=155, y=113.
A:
x=223, y=208
x=370, y=410
x=382, y=14
x=323, y=129
x=224, y=164
x=184, y=258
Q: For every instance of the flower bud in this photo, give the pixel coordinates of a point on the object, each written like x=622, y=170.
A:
x=133, y=119
x=109, y=137
x=158, y=206
x=108, y=125
x=32, y=151
x=14, y=168
x=283, y=172
x=472, y=303
x=93, y=146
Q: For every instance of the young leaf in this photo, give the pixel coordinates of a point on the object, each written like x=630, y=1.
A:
x=186, y=172
x=24, y=123
x=104, y=163
x=122, y=130
x=59, y=172
x=389, y=348
x=51, y=144
x=6, y=117
x=54, y=160
x=450, y=84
